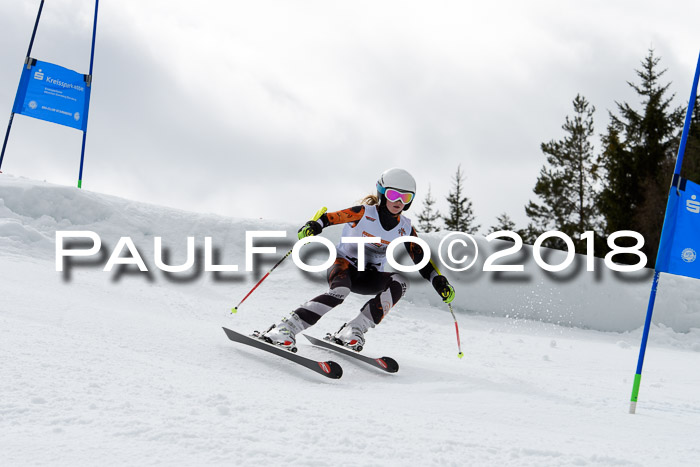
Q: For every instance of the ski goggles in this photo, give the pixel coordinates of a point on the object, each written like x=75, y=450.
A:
x=393, y=194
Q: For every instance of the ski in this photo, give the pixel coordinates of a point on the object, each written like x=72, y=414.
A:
x=328, y=369
x=387, y=364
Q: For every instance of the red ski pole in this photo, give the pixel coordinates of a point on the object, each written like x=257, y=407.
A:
x=316, y=217
x=459, y=344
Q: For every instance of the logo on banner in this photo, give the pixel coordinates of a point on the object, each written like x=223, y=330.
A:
x=76, y=116
x=32, y=105
x=689, y=255
x=692, y=205
x=39, y=75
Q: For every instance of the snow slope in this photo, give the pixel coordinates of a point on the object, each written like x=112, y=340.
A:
x=126, y=367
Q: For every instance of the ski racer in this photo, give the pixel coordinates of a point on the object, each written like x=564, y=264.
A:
x=379, y=215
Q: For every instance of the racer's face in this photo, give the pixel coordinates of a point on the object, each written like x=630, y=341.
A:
x=395, y=207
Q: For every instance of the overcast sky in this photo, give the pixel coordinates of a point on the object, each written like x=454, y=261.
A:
x=271, y=109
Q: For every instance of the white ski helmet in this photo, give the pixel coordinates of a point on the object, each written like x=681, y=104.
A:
x=398, y=179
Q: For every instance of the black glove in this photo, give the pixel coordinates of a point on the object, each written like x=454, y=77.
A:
x=309, y=229
x=443, y=287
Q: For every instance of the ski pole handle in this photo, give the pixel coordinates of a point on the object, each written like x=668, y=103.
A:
x=316, y=217
x=319, y=213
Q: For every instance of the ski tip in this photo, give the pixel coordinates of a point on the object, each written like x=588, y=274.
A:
x=331, y=369
x=389, y=364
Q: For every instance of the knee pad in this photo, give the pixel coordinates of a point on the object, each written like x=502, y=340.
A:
x=402, y=283
x=379, y=306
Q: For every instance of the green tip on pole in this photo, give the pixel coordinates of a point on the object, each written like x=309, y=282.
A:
x=80, y=183
x=460, y=355
x=234, y=309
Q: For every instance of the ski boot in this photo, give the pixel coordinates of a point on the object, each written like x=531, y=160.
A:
x=352, y=333
x=284, y=333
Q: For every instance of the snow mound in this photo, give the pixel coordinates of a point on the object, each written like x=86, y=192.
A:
x=32, y=212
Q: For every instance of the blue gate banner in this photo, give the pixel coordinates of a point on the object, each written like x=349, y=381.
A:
x=680, y=238
x=53, y=93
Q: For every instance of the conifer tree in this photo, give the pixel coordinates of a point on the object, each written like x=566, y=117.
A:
x=503, y=222
x=427, y=219
x=461, y=215
x=691, y=157
x=640, y=149
x=529, y=234
x=567, y=182
x=617, y=196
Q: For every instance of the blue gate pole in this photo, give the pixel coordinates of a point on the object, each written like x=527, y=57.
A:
x=643, y=346
x=29, y=52
x=688, y=118
x=654, y=285
x=89, y=84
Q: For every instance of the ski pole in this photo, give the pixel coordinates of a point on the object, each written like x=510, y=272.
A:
x=449, y=305
x=459, y=345
x=316, y=217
